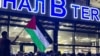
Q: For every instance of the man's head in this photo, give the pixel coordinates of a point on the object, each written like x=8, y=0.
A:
x=4, y=34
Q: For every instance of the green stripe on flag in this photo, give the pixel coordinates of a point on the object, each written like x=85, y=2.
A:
x=35, y=39
x=41, y=37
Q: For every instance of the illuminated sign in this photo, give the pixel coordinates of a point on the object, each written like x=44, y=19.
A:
x=57, y=8
x=87, y=13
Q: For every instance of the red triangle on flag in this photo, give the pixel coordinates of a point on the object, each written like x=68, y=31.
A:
x=32, y=23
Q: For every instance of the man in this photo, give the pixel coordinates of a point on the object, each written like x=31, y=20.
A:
x=5, y=44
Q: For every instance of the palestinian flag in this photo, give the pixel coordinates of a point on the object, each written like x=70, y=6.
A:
x=37, y=37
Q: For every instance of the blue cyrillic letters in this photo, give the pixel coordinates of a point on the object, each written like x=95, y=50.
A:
x=58, y=8
x=85, y=13
x=75, y=10
x=12, y=2
x=95, y=14
x=24, y=4
x=37, y=7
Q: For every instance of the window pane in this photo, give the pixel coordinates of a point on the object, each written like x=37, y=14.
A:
x=28, y=49
x=15, y=49
x=65, y=37
x=49, y=48
x=86, y=39
x=65, y=49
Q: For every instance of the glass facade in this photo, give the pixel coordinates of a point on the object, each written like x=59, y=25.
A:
x=72, y=37
x=78, y=38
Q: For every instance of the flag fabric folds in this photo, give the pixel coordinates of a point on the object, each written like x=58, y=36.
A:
x=37, y=36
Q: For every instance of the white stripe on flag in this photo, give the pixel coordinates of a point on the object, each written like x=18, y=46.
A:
x=41, y=37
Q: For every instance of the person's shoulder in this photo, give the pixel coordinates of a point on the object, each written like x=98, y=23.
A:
x=0, y=39
x=7, y=40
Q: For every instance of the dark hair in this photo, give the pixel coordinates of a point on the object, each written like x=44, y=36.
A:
x=4, y=33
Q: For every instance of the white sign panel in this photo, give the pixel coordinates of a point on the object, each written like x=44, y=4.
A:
x=0, y=3
x=95, y=3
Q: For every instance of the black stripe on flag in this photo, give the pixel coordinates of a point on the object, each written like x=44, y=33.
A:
x=48, y=38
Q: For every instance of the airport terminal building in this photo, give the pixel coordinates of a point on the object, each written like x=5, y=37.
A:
x=73, y=25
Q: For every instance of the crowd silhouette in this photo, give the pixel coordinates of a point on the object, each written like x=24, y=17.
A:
x=51, y=53
x=5, y=50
